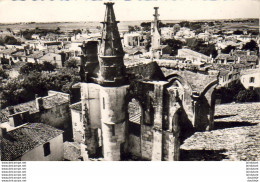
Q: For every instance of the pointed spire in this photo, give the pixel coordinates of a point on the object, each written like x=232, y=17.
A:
x=111, y=42
x=111, y=53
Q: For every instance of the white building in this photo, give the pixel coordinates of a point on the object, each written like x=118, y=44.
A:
x=31, y=142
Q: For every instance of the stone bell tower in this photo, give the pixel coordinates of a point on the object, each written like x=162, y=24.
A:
x=112, y=81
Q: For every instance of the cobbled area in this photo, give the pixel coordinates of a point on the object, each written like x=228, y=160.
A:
x=236, y=136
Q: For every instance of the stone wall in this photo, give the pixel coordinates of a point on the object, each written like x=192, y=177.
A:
x=58, y=117
x=146, y=142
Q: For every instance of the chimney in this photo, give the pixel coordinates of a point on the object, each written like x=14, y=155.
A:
x=3, y=132
x=238, y=59
x=25, y=52
x=39, y=103
x=11, y=110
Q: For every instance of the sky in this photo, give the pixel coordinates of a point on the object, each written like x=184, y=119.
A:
x=86, y=10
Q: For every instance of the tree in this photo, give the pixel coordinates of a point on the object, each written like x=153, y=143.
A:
x=200, y=46
x=23, y=88
x=78, y=31
x=71, y=63
x=247, y=96
x=252, y=46
x=3, y=74
x=184, y=24
x=228, y=49
x=229, y=94
x=146, y=26
x=238, y=32
x=131, y=29
x=174, y=44
x=148, y=41
x=47, y=66
x=29, y=67
x=11, y=40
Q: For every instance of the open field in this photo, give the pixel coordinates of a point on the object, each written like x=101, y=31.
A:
x=123, y=25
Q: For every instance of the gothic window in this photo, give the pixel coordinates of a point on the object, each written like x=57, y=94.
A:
x=46, y=148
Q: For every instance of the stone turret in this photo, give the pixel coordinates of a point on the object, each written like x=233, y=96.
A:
x=111, y=54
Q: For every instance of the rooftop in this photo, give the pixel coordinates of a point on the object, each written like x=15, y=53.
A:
x=25, y=138
x=235, y=136
x=193, y=53
x=7, y=51
x=77, y=106
x=48, y=102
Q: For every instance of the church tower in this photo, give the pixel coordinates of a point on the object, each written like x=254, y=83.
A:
x=111, y=53
x=113, y=88
x=156, y=37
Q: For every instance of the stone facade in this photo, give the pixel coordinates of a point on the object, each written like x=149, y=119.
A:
x=142, y=112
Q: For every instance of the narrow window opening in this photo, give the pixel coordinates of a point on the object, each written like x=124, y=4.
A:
x=47, y=150
x=252, y=79
x=104, y=103
x=113, y=130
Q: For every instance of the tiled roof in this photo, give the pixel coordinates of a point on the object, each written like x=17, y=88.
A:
x=48, y=102
x=223, y=72
x=248, y=58
x=133, y=50
x=226, y=56
x=19, y=54
x=249, y=71
x=190, y=52
x=36, y=55
x=25, y=138
x=77, y=106
x=7, y=51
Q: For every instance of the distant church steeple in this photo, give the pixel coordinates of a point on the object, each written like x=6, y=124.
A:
x=111, y=53
x=156, y=37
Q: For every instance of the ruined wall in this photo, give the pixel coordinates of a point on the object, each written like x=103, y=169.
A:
x=205, y=108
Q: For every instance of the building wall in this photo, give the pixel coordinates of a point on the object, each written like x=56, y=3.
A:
x=58, y=117
x=37, y=154
x=113, y=117
x=90, y=98
x=245, y=80
x=52, y=58
x=78, y=126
